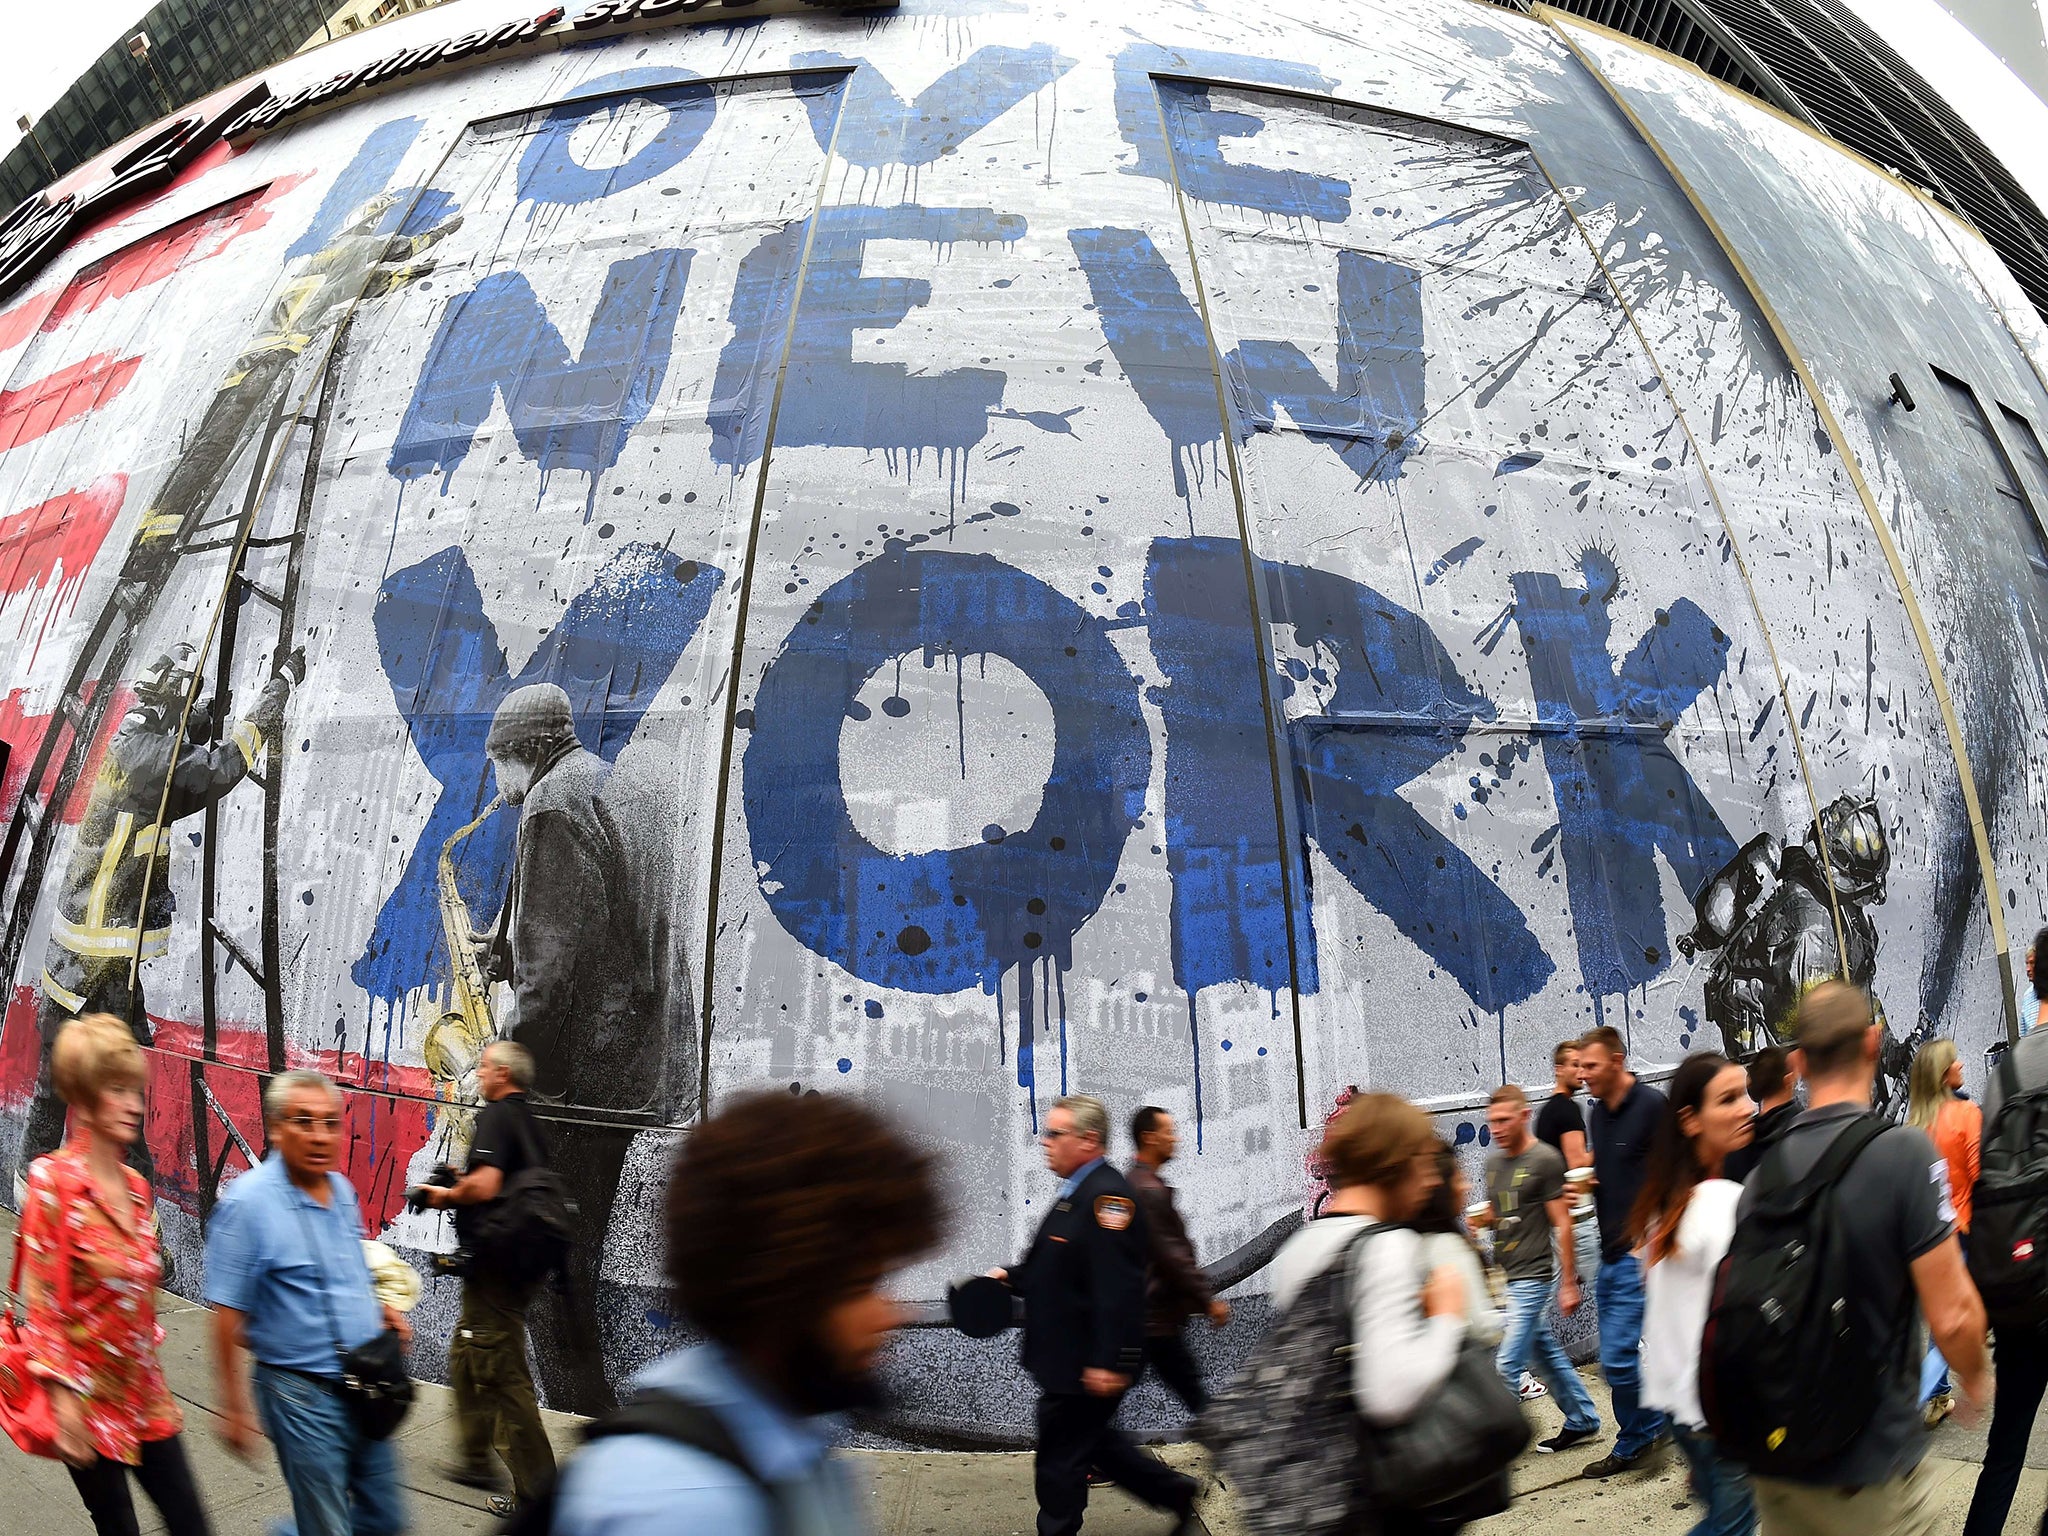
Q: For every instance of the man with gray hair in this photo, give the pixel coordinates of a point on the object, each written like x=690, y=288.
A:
x=582, y=939
x=495, y=1406
x=1083, y=1284
x=288, y=1283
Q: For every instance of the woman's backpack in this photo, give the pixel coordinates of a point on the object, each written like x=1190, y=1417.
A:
x=1288, y=1438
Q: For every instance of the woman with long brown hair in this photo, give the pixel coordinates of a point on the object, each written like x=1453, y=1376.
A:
x=1681, y=1224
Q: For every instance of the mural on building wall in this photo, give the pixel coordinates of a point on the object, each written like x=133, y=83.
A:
x=965, y=557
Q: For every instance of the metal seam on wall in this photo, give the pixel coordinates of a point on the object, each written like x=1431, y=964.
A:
x=746, y=592
x=1735, y=547
x=1261, y=636
x=1966, y=776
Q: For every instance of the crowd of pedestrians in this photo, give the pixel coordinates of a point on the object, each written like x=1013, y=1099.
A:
x=1782, y=1283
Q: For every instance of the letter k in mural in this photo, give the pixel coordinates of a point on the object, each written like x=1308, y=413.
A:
x=1622, y=797
x=613, y=649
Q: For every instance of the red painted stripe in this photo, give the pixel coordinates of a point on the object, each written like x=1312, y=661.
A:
x=151, y=259
x=49, y=402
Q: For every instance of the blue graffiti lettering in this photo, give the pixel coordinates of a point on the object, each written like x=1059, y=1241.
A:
x=1396, y=710
x=830, y=400
x=1222, y=846
x=616, y=644
x=1370, y=417
x=567, y=412
x=1622, y=797
x=1155, y=334
x=368, y=171
x=953, y=918
x=882, y=129
x=550, y=174
x=1199, y=132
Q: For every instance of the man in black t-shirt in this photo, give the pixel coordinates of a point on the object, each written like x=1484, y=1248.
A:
x=1559, y=1123
x=495, y=1406
x=1624, y=1120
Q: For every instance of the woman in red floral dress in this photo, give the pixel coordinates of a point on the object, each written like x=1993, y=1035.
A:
x=91, y=1271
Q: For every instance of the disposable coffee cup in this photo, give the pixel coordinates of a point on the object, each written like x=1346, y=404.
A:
x=1477, y=1209
x=1579, y=1181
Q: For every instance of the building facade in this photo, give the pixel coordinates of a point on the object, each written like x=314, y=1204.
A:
x=1206, y=558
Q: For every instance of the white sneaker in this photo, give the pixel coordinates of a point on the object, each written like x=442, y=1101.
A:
x=1531, y=1388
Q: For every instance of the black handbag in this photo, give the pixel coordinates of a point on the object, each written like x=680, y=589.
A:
x=1451, y=1451
x=1448, y=1461
x=375, y=1387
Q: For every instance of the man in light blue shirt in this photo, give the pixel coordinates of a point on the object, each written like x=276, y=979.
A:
x=785, y=1220
x=286, y=1277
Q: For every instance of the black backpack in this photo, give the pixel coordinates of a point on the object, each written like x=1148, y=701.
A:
x=670, y=1418
x=2009, y=1221
x=1789, y=1372
x=526, y=1233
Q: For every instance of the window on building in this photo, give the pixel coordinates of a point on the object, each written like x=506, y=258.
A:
x=2019, y=430
x=2020, y=512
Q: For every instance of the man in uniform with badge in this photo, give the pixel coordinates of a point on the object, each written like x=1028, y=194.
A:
x=1083, y=1284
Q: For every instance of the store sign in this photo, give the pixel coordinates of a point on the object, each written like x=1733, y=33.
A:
x=551, y=26
x=41, y=225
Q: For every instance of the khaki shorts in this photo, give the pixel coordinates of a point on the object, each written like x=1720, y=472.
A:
x=1902, y=1507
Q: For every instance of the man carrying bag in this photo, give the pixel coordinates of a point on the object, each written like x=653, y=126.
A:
x=506, y=1187
x=288, y=1282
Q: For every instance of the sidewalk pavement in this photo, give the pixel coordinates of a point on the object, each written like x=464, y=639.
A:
x=915, y=1493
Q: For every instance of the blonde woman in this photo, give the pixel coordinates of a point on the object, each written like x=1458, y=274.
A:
x=88, y=1229
x=1956, y=1127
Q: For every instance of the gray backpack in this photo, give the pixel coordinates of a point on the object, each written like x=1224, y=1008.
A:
x=1285, y=1433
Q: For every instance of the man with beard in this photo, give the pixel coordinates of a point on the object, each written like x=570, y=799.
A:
x=582, y=938
x=786, y=1218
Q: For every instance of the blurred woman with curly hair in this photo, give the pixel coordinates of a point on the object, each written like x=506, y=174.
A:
x=786, y=1217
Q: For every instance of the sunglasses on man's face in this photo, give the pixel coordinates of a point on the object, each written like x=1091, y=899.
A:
x=327, y=1123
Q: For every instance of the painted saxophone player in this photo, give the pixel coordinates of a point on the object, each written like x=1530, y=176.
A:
x=583, y=939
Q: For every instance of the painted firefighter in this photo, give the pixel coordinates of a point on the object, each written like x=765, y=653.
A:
x=153, y=776
x=1769, y=915
x=359, y=262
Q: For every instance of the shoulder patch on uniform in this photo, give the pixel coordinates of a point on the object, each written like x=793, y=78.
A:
x=1113, y=1212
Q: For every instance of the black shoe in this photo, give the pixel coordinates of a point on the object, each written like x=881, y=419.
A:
x=1612, y=1465
x=1565, y=1439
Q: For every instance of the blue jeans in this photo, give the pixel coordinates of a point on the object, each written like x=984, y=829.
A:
x=1618, y=1294
x=341, y=1483
x=1723, y=1485
x=1530, y=1345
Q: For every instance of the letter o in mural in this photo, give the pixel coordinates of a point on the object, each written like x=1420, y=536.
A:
x=951, y=918
x=550, y=173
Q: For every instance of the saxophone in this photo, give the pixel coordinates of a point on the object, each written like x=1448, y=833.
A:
x=455, y=1043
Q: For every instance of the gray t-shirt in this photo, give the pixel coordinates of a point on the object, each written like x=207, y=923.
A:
x=1520, y=1188
x=1894, y=1202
